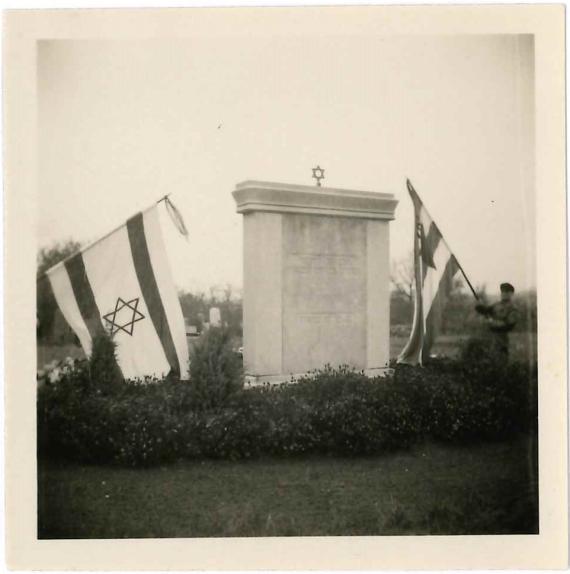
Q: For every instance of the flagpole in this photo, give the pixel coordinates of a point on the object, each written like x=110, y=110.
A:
x=93, y=243
x=467, y=279
x=412, y=189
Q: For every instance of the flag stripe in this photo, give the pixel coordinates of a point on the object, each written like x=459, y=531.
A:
x=75, y=268
x=433, y=319
x=430, y=285
x=63, y=292
x=411, y=354
x=432, y=240
x=168, y=292
x=149, y=288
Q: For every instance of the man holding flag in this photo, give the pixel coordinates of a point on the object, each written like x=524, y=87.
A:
x=501, y=318
x=435, y=266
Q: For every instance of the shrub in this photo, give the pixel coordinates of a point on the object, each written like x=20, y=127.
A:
x=347, y=413
x=68, y=415
x=480, y=353
x=335, y=412
x=215, y=370
x=104, y=372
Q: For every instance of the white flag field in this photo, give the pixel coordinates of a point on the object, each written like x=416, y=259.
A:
x=122, y=285
x=435, y=267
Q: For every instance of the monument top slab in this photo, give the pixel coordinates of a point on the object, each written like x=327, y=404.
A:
x=251, y=196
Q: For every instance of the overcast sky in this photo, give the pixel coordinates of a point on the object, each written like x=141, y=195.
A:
x=124, y=122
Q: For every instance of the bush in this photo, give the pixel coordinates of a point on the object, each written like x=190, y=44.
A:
x=481, y=354
x=215, y=370
x=347, y=413
x=334, y=412
x=104, y=372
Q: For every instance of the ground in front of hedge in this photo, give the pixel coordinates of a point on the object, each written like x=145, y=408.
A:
x=433, y=489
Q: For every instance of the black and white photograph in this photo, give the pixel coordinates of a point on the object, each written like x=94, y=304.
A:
x=287, y=280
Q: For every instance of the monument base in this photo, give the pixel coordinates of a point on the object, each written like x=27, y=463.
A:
x=251, y=381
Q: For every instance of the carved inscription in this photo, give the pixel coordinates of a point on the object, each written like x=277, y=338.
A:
x=324, y=292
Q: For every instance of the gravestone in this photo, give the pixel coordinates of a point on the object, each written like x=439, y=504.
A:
x=215, y=318
x=316, y=279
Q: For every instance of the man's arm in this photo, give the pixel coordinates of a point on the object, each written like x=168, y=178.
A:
x=504, y=325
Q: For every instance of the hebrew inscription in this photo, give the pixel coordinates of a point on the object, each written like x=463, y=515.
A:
x=324, y=292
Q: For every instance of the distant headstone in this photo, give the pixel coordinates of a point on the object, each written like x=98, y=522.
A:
x=316, y=278
x=215, y=318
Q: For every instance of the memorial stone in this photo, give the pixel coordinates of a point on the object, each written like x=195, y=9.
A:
x=316, y=279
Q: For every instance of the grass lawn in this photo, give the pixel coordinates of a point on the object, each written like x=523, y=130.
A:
x=433, y=489
x=522, y=345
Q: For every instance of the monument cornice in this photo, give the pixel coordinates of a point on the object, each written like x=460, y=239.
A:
x=251, y=196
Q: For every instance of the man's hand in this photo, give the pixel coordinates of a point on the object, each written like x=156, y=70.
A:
x=482, y=309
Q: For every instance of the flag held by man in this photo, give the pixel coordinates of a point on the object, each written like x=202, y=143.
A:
x=122, y=285
x=435, y=268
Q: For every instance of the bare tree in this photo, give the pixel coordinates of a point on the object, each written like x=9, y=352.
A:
x=228, y=291
x=402, y=276
x=48, y=256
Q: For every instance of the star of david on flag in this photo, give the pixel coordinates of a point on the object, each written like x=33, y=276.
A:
x=122, y=285
x=126, y=320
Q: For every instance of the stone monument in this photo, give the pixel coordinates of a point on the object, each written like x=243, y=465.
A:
x=316, y=279
x=215, y=318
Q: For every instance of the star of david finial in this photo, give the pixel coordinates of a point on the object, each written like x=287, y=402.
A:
x=318, y=174
x=124, y=316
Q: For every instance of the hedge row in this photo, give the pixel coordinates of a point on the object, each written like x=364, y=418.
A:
x=338, y=412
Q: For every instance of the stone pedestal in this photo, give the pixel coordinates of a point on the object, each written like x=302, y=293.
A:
x=316, y=279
